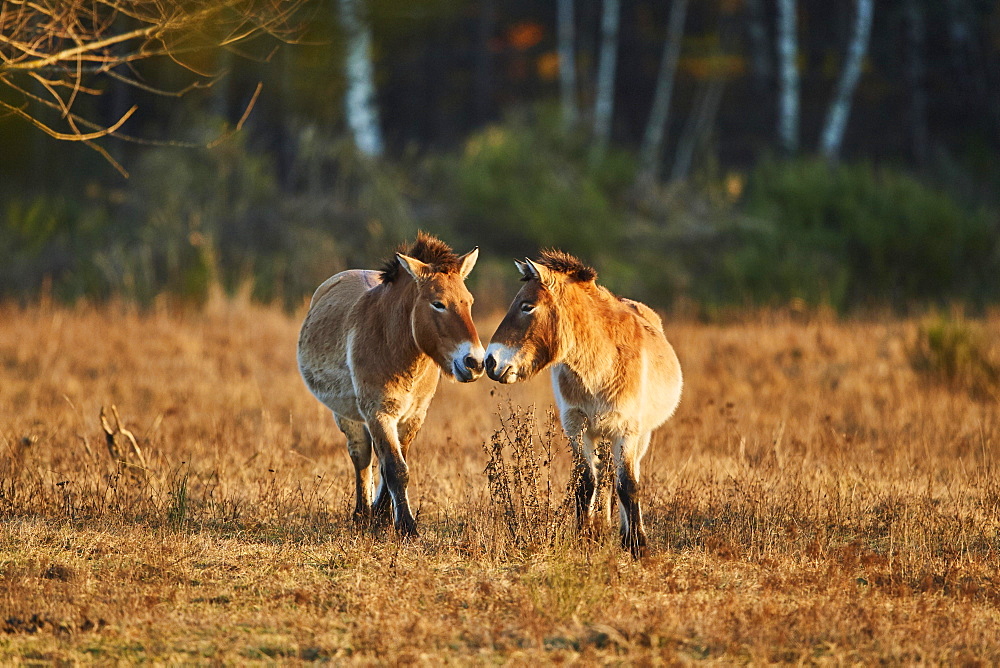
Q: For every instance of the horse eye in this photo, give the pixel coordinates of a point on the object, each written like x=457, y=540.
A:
x=527, y=307
x=438, y=306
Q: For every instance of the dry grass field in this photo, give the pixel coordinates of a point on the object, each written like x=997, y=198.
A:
x=828, y=492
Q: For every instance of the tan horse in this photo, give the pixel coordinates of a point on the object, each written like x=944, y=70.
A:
x=371, y=349
x=614, y=375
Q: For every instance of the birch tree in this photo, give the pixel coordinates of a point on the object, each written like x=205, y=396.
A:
x=567, y=63
x=840, y=107
x=656, y=127
x=359, y=101
x=605, y=94
x=788, y=77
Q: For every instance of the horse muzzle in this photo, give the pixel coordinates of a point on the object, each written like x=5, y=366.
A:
x=498, y=369
x=467, y=365
x=466, y=373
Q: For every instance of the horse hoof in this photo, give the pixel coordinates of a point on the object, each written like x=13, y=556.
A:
x=407, y=530
x=636, y=545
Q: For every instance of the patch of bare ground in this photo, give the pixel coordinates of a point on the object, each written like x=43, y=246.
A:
x=820, y=496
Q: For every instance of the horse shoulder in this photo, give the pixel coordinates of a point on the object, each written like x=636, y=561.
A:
x=387, y=380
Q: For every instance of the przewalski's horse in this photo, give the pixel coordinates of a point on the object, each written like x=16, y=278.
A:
x=371, y=348
x=614, y=375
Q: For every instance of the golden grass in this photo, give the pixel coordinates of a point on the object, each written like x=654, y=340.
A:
x=814, y=499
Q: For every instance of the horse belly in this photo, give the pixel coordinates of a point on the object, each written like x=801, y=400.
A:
x=335, y=390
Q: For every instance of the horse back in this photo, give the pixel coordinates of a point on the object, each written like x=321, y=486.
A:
x=346, y=286
x=644, y=312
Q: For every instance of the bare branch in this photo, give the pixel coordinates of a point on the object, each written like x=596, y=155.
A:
x=62, y=45
x=69, y=136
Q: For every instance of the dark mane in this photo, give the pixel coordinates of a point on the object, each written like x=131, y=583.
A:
x=564, y=263
x=429, y=250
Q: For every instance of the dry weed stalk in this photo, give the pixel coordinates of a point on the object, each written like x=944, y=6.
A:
x=519, y=471
x=121, y=442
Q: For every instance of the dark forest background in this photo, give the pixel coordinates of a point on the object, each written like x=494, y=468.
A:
x=477, y=148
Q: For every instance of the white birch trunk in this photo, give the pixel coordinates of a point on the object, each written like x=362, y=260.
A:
x=605, y=95
x=788, y=102
x=652, y=143
x=840, y=107
x=359, y=101
x=567, y=63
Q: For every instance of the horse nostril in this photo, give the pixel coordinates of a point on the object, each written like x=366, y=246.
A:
x=491, y=364
x=473, y=364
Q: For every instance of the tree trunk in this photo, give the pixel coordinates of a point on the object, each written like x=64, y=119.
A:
x=359, y=101
x=916, y=80
x=567, y=64
x=840, y=107
x=652, y=143
x=961, y=34
x=761, y=66
x=788, y=102
x=702, y=117
x=484, y=62
x=605, y=96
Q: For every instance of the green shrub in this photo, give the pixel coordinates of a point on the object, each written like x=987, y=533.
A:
x=894, y=239
x=521, y=186
x=46, y=240
x=956, y=352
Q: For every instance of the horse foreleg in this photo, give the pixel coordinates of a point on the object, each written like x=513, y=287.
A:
x=382, y=507
x=395, y=472
x=574, y=422
x=359, y=446
x=407, y=431
x=586, y=484
x=628, y=453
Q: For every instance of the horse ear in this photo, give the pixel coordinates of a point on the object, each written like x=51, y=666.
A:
x=414, y=267
x=467, y=262
x=541, y=272
x=524, y=268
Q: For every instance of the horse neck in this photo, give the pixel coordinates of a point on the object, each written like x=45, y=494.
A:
x=396, y=300
x=586, y=344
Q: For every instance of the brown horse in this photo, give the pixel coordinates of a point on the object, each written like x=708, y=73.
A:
x=614, y=375
x=371, y=348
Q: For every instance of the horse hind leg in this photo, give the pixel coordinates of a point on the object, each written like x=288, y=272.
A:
x=359, y=446
x=633, y=531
